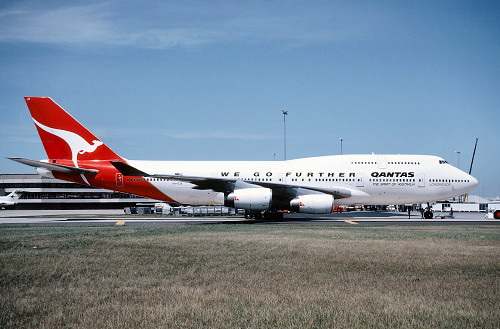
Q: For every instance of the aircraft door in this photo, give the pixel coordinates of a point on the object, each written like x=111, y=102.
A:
x=382, y=162
x=360, y=180
x=283, y=178
x=119, y=180
x=421, y=180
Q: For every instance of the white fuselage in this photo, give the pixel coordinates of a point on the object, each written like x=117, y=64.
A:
x=371, y=179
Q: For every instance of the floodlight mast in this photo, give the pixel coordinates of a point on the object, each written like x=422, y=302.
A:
x=285, y=113
x=458, y=157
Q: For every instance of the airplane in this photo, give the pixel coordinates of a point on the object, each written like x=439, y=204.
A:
x=10, y=199
x=262, y=188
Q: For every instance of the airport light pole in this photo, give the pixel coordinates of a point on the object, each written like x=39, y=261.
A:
x=285, y=113
x=458, y=156
x=341, y=140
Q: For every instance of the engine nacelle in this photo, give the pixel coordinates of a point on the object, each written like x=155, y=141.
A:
x=250, y=199
x=44, y=172
x=313, y=204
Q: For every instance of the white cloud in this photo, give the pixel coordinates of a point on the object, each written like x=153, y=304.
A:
x=165, y=26
x=198, y=134
x=78, y=24
x=221, y=135
x=94, y=24
x=162, y=38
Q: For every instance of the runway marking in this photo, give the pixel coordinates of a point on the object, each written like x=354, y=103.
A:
x=351, y=222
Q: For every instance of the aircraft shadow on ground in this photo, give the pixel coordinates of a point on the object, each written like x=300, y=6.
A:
x=329, y=217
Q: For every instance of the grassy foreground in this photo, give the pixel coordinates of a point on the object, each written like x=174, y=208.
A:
x=239, y=276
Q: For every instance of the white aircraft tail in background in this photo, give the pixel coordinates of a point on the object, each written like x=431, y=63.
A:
x=10, y=199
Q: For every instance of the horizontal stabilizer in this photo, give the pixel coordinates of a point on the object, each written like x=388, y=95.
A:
x=55, y=167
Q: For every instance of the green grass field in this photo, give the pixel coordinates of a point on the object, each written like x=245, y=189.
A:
x=250, y=276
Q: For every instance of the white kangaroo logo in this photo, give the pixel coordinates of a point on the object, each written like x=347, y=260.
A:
x=76, y=143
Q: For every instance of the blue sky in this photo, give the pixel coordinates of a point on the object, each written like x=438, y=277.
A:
x=207, y=80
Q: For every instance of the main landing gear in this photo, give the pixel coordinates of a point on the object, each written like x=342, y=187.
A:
x=253, y=215
x=428, y=214
x=267, y=215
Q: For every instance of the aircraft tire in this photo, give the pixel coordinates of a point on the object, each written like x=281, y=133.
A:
x=428, y=215
x=273, y=215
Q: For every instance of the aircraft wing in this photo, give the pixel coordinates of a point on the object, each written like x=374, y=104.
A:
x=202, y=183
x=228, y=185
x=55, y=167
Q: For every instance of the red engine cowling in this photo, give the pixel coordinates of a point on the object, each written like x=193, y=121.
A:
x=312, y=204
x=250, y=199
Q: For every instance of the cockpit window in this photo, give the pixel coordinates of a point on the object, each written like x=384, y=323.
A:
x=442, y=161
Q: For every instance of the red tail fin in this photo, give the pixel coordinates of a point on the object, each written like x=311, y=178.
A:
x=62, y=136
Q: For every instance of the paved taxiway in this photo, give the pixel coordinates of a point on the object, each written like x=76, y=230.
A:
x=114, y=217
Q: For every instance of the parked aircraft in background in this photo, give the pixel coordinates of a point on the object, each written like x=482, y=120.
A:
x=309, y=185
x=10, y=199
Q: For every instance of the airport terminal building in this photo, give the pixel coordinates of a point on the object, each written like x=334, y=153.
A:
x=48, y=193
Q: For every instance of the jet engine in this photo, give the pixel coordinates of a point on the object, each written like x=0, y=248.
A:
x=250, y=199
x=312, y=204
